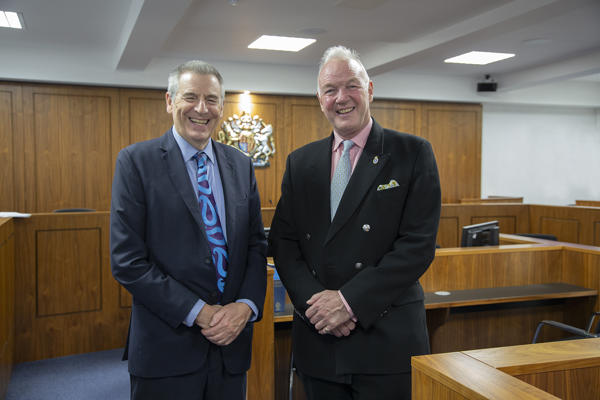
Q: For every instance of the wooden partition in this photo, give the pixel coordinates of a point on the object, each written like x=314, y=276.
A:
x=7, y=301
x=67, y=302
x=588, y=203
x=58, y=143
x=492, y=199
x=509, y=265
x=567, y=370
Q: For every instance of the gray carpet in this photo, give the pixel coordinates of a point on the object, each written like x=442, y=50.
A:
x=92, y=376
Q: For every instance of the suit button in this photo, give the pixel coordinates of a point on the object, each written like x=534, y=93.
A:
x=307, y=236
x=207, y=260
x=366, y=227
x=314, y=272
x=358, y=265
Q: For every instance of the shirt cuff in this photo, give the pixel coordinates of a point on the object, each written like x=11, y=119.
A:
x=252, y=306
x=352, y=316
x=190, y=320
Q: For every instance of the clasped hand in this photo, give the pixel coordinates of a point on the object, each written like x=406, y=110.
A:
x=328, y=314
x=222, y=324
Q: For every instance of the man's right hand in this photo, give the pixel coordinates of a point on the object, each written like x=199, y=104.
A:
x=205, y=316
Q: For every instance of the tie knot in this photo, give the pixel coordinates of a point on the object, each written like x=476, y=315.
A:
x=200, y=157
x=347, y=145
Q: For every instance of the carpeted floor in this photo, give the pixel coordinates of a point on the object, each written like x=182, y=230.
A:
x=92, y=376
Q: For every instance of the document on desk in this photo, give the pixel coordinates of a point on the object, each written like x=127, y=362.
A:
x=13, y=214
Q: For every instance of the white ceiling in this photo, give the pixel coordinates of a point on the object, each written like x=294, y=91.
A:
x=136, y=42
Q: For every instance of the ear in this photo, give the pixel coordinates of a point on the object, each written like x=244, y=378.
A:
x=169, y=102
x=370, y=91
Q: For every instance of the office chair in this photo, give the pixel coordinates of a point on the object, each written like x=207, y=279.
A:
x=578, y=332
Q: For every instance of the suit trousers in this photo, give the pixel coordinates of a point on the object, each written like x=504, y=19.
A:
x=209, y=383
x=361, y=387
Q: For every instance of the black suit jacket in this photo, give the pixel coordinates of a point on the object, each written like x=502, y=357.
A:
x=160, y=254
x=381, y=240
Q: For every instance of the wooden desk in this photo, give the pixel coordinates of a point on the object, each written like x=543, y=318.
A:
x=567, y=369
x=492, y=295
x=506, y=294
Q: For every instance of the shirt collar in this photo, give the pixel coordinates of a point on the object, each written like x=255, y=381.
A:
x=359, y=140
x=188, y=151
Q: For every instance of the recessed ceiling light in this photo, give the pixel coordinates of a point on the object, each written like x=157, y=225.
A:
x=479, y=58
x=281, y=43
x=10, y=19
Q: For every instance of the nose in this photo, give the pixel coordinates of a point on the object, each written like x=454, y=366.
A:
x=200, y=106
x=342, y=95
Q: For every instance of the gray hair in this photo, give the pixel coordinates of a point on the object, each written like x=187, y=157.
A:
x=341, y=53
x=197, y=67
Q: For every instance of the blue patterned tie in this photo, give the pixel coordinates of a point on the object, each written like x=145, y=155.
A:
x=212, y=223
x=341, y=176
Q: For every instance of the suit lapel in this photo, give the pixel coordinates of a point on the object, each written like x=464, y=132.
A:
x=370, y=163
x=177, y=171
x=228, y=178
x=319, y=171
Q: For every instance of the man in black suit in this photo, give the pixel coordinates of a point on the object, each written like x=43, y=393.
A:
x=187, y=242
x=352, y=269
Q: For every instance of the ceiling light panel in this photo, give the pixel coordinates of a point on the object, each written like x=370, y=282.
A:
x=478, y=58
x=10, y=19
x=280, y=43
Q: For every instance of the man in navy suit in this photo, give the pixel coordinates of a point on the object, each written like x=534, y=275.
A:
x=187, y=242
x=350, y=254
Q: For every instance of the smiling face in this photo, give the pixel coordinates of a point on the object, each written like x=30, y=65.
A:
x=344, y=94
x=196, y=108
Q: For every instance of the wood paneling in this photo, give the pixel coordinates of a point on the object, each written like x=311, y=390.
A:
x=567, y=369
x=67, y=151
x=68, y=324
x=11, y=133
x=568, y=224
x=587, y=203
x=261, y=377
x=68, y=278
x=398, y=115
x=7, y=302
x=455, y=134
x=59, y=142
x=512, y=218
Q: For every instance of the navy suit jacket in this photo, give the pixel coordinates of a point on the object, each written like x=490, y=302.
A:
x=381, y=240
x=160, y=254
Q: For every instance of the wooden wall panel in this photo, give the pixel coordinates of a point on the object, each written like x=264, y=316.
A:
x=400, y=116
x=7, y=302
x=568, y=224
x=93, y=323
x=68, y=135
x=455, y=134
x=71, y=135
x=10, y=132
x=512, y=218
x=68, y=278
x=270, y=109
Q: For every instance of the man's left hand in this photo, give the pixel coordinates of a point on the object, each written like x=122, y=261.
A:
x=327, y=311
x=227, y=323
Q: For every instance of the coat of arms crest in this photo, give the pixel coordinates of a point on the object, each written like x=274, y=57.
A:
x=251, y=135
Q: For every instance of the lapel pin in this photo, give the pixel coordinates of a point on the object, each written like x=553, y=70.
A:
x=375, y=160
x=366, y=227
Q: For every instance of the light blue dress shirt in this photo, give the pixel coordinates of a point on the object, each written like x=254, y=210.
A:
x=214, y=179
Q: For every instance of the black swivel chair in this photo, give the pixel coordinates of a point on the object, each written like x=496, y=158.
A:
x=578, y=333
